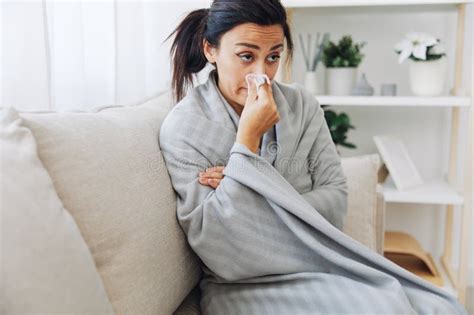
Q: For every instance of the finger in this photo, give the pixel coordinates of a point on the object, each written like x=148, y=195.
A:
x=215, y=169
x=265, y=91
x=267, y=79
x=203, y=181
x=219, y=169
x=251, y=87
x=213, y=175
x=214, y=183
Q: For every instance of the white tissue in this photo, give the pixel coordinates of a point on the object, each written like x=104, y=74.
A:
x=260, y=79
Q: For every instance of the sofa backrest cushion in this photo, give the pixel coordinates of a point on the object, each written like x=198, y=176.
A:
x=108, y=171
x=45, y=264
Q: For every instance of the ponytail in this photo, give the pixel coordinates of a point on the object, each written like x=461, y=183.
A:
x=187, y=51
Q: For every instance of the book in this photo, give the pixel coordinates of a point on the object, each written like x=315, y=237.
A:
x=399, y=164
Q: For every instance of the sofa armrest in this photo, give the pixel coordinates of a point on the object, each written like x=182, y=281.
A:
x=380, y=222
x=361, y=218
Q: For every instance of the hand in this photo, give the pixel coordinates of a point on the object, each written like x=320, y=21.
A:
x=212, y=176
x=259, y=114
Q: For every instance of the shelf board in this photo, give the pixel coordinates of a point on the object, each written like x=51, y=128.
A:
x=295, y=4
x=413, y=101
x=432, y=192
x=348, y=3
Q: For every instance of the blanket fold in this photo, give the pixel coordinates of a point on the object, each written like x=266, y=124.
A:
x=270, y=235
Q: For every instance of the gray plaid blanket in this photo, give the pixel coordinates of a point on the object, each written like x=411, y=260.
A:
x=269, y=236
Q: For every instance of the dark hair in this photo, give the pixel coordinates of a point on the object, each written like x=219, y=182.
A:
x=187, y=52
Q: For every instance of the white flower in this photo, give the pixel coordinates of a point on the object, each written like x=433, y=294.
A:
x=414, y=43
x=438, y=50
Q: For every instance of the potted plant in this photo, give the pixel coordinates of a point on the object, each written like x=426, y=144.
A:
x=428, y=63
x=342, y=60
x=339, y=125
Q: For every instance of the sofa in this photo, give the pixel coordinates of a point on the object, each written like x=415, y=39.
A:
x=89, y=213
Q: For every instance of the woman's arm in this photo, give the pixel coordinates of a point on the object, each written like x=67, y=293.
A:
x=329, y=190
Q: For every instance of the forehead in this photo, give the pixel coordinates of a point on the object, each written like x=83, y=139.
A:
x=260, y=35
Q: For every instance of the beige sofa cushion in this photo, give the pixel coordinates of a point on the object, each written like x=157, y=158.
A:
x=46, y=266
x=191, y=304
x=361, y=219
x=108, y=171
x=380, y=217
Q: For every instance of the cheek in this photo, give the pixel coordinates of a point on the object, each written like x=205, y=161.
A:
x=273, y=70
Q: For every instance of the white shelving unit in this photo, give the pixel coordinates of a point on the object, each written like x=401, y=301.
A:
x=412, y=101
x=296, y=4
x=351, y=3
x=438, y=191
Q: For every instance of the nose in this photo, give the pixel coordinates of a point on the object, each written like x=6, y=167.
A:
x=260, y=68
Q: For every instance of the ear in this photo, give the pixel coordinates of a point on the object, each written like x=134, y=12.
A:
x=209, y=51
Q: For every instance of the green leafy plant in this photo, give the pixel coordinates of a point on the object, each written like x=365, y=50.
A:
x=339, y=125
x=344, y=54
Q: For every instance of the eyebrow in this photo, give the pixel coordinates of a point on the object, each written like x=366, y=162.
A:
x=257, y=47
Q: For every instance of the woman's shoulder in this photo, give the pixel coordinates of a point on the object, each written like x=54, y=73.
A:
x=177, y=118
x=191, y=114
x=196, y=102
x=191, y=104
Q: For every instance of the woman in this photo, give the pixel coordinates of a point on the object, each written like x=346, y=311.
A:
x=261, y=195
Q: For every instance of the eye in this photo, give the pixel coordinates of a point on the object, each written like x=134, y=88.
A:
x=274, y=58
x=246, y=57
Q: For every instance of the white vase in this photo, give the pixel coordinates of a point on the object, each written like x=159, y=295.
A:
x=311, y=82
x=341, y=81
x=428, y=78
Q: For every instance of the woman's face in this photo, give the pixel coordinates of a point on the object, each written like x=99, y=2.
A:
x=247, y=48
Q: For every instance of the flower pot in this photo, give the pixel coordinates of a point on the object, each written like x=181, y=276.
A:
x=428, y=78
x=341, y=81
x=313, y=82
